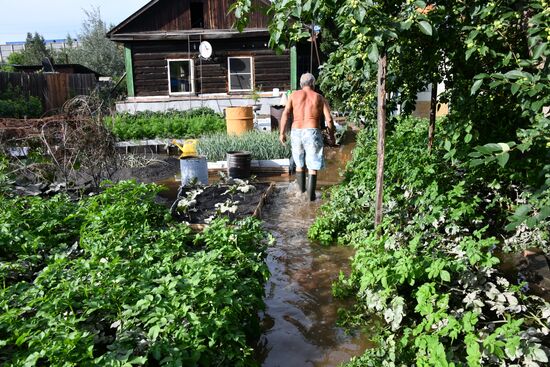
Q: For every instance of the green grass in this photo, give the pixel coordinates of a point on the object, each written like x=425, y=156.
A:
x=261, y=145
x=172, y=124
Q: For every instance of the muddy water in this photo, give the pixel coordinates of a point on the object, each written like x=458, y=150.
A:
x=299, y=323
x=301, y=313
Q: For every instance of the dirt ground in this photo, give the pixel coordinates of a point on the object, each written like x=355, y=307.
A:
x=159, y=168
x=205, y=206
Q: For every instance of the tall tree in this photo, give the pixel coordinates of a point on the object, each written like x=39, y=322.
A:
x=364, y=29
x=35, y=49
x=96, y=51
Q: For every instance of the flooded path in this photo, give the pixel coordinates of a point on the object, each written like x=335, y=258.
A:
x=300, y=317
x=299, y=322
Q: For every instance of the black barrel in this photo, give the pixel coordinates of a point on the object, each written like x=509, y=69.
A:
x=238, y=164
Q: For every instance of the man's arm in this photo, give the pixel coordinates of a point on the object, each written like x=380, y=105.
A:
x=284, y=120
x=329, y=121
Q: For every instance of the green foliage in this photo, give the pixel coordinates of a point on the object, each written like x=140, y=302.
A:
x=112, y=281
x=35, y=50
x=433, y=275
x=14, y=104
x=261, y=145
x=14, y=58
x=95, y=50
x=172, y=124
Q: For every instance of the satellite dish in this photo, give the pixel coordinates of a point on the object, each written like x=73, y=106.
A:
x=205, y=49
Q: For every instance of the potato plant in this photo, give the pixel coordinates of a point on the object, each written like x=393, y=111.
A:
x=112, y=281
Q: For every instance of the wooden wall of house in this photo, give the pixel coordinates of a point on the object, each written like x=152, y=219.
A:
x=174, y=15
x=151, y=68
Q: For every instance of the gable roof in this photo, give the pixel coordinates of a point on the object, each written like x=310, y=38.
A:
x=143, y=10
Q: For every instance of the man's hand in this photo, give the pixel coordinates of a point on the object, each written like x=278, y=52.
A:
x=282, y=138
x=331, y=133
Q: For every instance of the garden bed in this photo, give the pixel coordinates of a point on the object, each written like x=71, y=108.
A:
x=200, y=205
x=110, y=280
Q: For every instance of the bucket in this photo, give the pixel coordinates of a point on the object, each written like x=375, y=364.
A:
x=239, y=120
x=238, y=164
x=194, y=167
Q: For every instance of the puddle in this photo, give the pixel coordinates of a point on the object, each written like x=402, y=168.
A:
x=301, y=313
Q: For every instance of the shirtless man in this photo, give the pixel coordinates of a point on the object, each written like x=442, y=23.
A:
x=307, y=107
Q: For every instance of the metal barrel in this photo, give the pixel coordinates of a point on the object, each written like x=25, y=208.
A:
x=238, y=164
x=194, y=167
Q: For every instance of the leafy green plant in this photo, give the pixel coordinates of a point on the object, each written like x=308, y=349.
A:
x=172, y=124
x=119, y=283
x=261, y=145
x=432, y=276
x=14, y=104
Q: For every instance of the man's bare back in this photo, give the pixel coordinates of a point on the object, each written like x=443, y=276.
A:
x=306, y=107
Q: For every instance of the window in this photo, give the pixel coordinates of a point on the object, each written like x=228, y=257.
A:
x=197, y=14
x=241, y=75
x=181, y=76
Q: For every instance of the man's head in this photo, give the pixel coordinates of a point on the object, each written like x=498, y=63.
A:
x=307, y=80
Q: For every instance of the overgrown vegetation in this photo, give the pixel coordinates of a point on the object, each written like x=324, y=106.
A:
x=14, y=104
x=430, y=269
x=171, y=124
x=433, y=274
x=261, y=145
x=112, y=281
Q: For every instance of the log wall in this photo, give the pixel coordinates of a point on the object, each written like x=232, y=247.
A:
x=150, y=65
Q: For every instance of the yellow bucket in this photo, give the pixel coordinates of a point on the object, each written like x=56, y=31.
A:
x=188, y=149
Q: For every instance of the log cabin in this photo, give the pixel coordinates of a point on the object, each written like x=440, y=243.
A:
x=164, y=69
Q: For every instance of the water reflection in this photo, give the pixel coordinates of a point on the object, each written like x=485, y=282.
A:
x=300, y=316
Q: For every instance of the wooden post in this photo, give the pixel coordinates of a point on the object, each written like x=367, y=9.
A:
x=433, y=112
x=293, y=68
x=129, y=70
x=381, y=121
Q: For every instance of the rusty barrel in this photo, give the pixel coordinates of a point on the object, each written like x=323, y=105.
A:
x=238, y=164
x=239, y=120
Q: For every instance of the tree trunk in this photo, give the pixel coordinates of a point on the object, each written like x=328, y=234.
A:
x=433, y=112
x=381, y=121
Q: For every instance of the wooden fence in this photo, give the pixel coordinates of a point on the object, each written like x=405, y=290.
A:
x=54, y=89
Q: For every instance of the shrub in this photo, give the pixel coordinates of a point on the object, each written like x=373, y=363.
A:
x=261, y=145
x=431, y=274
x=14, y=104
x=172, y=124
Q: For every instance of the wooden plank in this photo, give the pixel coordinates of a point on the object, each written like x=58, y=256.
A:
x=150, y=76
x=157, y=63
x=267, y=72
x=272, y=77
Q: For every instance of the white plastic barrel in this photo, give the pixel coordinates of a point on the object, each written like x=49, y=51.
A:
x=194, y=167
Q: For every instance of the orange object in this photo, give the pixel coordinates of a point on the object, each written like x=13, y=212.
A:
x=239, y=120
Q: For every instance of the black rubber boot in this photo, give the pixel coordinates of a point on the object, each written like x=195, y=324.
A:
x=311, y=185
x=301, y=179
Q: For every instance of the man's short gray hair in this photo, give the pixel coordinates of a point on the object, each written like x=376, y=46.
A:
x=307, y=80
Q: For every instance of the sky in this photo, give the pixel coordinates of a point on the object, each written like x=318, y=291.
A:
x=55, y=18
